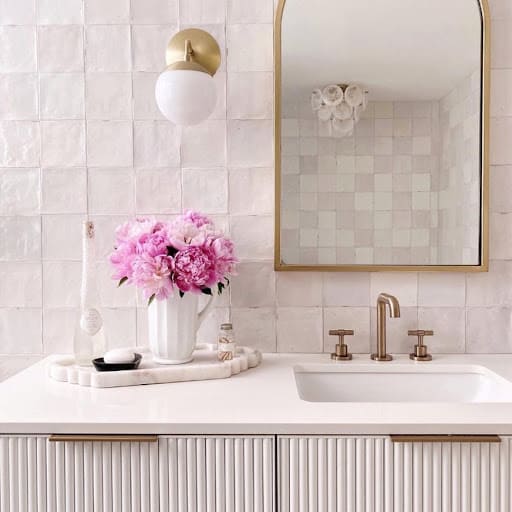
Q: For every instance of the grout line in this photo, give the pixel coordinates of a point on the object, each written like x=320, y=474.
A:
x=133, y=168
x=226, y=167
x=40, y=192
x=180, y=128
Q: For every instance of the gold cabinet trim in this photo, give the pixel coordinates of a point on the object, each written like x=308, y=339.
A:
x=455, y=438
x=115, y=438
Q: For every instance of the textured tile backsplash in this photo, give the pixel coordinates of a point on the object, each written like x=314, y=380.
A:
x=79, y=129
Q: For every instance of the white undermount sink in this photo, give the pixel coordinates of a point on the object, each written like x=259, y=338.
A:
x=354, y=382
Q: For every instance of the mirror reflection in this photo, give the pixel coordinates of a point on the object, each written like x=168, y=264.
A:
x=381, y=131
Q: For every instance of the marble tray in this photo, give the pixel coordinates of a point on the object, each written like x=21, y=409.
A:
x=204, y=366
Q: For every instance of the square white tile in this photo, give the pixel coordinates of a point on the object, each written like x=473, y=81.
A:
x=299, y=289
x=62, y=143
x=107, y=48
x=156, y=144
x=204, y=145
x=62, y=95
x=63, y=190
x=99, y=12
x=111, y=190
x=158, y=191
x=18, y=96
x=255, y=327
x=299, y=330
x=18, y=12
x=18, y=45
x=260, y=181
x=20, y=144
x=19, y=190
x=60, y=48
x=109, y=96
x=253, y=286
x=20, y=238
x=153, y=12
x=60, y=12
x=109, y=143
x=250, y=47
x=205, y=190
x=21, y=284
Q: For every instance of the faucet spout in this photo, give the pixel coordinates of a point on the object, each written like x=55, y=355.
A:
x=392, y=302
x=394, y=312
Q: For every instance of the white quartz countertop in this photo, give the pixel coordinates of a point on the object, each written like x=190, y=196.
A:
x=263, y=400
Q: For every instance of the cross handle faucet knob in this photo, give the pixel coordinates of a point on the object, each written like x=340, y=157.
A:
x=420, y=349
x=341, y=352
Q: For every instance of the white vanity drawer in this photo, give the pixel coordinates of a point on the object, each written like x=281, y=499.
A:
x=136, y=473
x=374, y=474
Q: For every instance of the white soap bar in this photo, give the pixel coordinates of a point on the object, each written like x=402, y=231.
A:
x=119, y=355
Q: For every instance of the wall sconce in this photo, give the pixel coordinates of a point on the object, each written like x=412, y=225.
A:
x=185, y=92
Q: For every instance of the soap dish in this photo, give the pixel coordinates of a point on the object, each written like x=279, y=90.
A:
x=101, y=366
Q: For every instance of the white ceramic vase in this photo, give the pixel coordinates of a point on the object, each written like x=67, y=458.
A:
x=173, y=325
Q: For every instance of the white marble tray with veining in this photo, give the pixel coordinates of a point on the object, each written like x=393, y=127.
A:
x=204, y=366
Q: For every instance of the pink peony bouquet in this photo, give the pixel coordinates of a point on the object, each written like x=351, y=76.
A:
x=185, y=255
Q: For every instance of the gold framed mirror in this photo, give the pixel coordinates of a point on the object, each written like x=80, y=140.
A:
x=382, y=135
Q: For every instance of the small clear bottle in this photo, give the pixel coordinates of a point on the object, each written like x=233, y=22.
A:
x=226, y=346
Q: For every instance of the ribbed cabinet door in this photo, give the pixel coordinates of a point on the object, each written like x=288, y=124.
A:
x=216, y=474
x=373, y=474
x=332, y=474
x=100, y=476
x=23, y=464
x=175, y=474
x=452, y=477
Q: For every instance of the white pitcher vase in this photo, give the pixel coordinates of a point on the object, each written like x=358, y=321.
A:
x=173, y=325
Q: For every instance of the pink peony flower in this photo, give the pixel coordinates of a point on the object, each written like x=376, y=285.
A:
x=133, y=229
x=224, y=250
x=198, y=219
x=122, y=259
x=183, y=233
x=153, y=275
x=154, y=244
x=194, y=269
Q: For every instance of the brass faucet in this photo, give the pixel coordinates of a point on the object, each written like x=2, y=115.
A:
x=394, y=312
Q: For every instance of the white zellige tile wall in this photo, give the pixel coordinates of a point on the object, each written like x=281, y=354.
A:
x=76, y=93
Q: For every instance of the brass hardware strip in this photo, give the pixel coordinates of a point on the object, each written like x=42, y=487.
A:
x=456, y=438
x=103, y=438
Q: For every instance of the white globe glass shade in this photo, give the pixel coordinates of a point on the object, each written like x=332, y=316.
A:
x=185, y=97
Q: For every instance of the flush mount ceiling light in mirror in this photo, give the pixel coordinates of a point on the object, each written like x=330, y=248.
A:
x=339, y=107
x=185, y=92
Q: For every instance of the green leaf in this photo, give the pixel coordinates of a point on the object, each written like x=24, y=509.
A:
x=182, y=293
x=121, y=281
x=227, y=281
x=151, y=299
x=206, y=291
x=171, y=251
x=220, y=288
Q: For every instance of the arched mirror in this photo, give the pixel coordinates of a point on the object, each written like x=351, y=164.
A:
x=381, y=125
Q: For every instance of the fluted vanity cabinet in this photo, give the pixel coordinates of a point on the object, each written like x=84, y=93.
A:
x=375, y=474
x=237, y=474
x=163, y=474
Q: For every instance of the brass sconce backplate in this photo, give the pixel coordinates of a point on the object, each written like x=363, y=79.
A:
x=206, y=51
